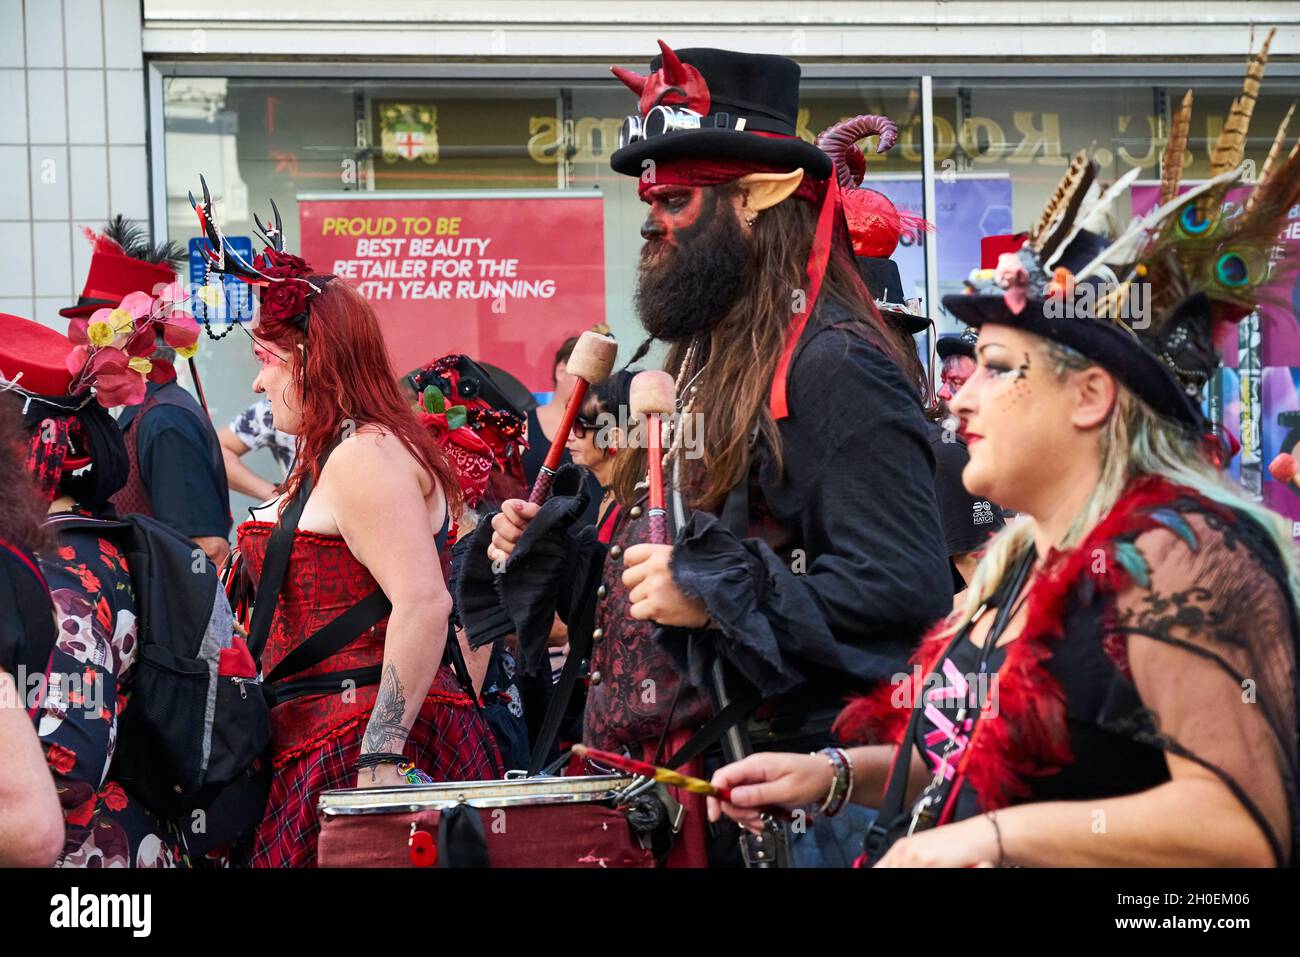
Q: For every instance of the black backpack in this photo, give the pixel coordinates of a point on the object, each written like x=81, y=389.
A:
x=190, y=740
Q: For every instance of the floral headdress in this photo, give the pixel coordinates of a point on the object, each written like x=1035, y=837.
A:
x=111, y=348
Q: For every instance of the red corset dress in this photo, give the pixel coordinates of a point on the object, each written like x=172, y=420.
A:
x=316, y=738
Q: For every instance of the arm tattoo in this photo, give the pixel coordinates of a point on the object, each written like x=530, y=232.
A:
x=387, y=728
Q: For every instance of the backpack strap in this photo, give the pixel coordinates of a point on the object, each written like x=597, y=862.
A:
x=274, y=566
x=334, y=636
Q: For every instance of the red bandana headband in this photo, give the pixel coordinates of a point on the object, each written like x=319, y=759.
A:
x=716, y=172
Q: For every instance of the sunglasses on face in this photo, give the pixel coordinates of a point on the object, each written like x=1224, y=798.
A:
x=582, y=425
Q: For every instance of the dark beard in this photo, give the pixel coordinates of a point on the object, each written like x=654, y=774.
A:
x=686, y=289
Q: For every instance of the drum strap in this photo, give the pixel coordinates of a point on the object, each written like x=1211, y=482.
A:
x=580, y=644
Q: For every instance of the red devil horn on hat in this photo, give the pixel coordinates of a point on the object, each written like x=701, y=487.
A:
x=674, y=84
x=673, y=69
x=631, y=79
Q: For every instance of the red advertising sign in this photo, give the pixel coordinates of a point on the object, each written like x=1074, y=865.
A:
x=502, y=276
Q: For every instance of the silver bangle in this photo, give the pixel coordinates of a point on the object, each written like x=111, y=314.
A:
x=842, y=783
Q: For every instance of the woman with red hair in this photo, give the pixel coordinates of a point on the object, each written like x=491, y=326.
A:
x=351, y=617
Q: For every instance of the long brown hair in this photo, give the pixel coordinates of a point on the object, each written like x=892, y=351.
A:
x=743, y=348
x=349, y=380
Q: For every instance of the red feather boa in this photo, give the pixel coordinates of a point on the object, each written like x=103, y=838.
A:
x=1028, y=737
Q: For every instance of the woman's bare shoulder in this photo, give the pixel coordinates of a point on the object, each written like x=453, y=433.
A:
x=375, y=457
x=371, y=445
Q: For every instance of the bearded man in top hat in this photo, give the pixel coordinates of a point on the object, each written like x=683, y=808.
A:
x=177, y=471
x=807, y=556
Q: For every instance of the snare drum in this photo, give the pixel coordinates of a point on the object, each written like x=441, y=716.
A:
x=532, y=822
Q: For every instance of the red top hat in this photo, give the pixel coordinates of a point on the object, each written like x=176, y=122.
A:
x=36, y=351
x=112, y=277
x=991, y=247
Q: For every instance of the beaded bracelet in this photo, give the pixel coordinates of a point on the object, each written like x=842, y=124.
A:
x=842, y=784
x=375, y=758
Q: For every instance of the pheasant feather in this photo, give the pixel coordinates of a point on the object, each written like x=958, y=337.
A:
x=1171, y=165
x=1065, y=190
x=1274, y=151
x=1230, y=147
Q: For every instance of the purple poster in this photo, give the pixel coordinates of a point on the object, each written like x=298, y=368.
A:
x=969, y=208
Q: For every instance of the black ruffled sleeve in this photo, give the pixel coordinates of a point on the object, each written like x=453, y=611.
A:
x=552, y=570
x=866, y=570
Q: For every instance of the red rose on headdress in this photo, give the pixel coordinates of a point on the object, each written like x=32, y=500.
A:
x=285, y=299
x=282, y=265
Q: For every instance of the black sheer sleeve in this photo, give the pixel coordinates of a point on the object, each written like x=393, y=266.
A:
x=1208, y=636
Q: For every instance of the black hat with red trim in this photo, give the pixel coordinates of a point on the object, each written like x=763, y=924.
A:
x=715, y=104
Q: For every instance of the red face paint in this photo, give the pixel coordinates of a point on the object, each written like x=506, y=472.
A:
x=956, y=370
x=676, y=214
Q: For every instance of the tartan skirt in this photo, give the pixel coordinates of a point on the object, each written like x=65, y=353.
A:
x=450, y=742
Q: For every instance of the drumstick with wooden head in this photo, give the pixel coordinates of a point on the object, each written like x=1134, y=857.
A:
x=591, y=361
x=653, y=394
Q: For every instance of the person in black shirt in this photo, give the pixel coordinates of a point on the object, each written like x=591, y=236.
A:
x=178, y=473
x=543, y=420
x=807, y=550
x=969, y=521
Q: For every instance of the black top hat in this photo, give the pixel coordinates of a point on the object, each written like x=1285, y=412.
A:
x=956, y=344
x=883, y=281
x=738, y=95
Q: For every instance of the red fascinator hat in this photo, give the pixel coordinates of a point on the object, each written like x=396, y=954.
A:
x=124, y=261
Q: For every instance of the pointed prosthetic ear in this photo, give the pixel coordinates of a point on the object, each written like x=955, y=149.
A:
x=764, y=190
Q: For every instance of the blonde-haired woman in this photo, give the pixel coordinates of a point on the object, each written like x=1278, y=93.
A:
x=1118, y=686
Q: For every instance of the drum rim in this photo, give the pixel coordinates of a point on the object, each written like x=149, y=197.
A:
x=485, y=794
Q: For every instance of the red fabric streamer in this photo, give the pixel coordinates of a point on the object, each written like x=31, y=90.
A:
x=818, y=259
